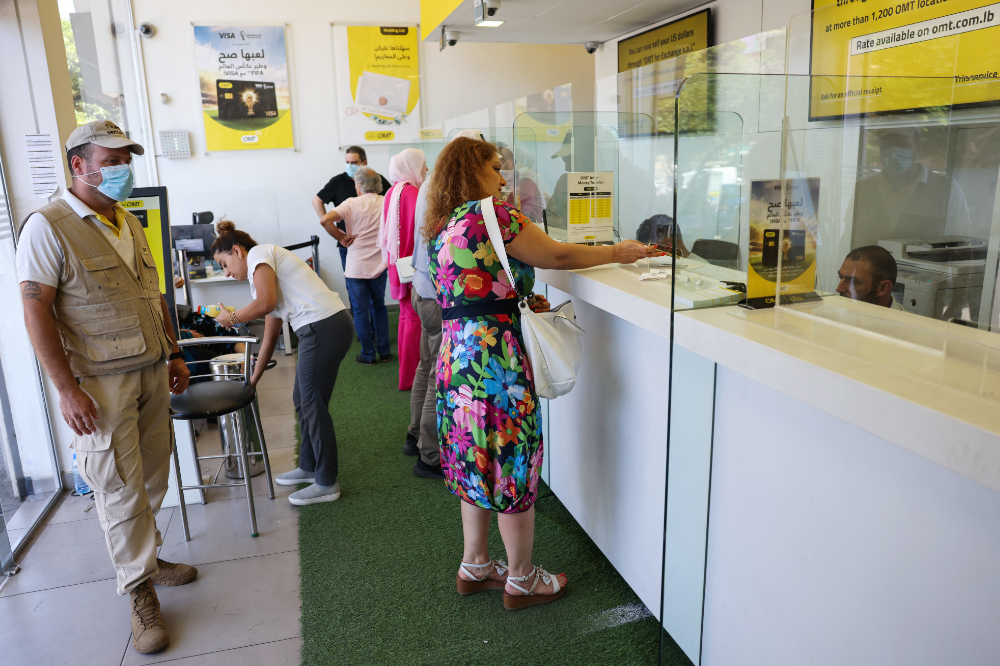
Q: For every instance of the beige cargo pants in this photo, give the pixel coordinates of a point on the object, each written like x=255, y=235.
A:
x=127, y=465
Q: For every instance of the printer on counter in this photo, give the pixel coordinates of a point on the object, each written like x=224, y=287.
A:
x=939, y=277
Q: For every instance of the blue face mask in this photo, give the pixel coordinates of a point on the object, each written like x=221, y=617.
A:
x=352, y=169
x=117, y=183
x=897, y=160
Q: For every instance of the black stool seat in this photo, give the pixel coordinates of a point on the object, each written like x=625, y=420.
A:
x=208, y=399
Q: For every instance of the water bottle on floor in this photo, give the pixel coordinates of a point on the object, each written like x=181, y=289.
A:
x=81, y=486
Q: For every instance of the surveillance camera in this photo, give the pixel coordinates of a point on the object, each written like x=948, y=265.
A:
x=147, y=29
x=451, y=36
x=591, y=47
x=491, y=7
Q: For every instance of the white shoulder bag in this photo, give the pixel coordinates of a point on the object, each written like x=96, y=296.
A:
x=552, y=340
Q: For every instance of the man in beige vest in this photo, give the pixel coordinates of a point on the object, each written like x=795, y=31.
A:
x=99, y=325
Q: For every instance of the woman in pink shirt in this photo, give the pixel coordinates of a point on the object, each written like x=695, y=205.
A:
x=407, y=170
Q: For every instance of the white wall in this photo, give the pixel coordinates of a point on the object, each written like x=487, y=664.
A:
x=474, y=75
x=268, y=192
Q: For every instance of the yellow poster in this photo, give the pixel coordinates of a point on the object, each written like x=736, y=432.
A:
x=782, y=250
x=378, y=83
x=243, y=74
x=881, y=56
x=677, y=38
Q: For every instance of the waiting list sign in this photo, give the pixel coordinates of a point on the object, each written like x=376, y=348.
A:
x=880, y=56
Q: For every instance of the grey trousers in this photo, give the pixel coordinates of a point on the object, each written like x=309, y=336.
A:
x=322, y=346
x=423, y=398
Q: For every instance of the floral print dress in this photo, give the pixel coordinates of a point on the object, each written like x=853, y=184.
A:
x=489, y=424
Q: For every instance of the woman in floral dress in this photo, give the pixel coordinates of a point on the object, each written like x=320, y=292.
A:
x=489, y=424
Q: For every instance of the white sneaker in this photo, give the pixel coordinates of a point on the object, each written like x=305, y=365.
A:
x=315, y=494
x=295, y=477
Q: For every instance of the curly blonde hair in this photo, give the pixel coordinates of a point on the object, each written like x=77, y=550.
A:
x=457, y=179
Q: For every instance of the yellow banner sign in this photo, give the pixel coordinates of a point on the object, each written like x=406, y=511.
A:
x=687, y=35
x=380, y=136
x=863, y=52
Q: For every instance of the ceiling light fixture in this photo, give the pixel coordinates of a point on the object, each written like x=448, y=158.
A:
x=489, y=24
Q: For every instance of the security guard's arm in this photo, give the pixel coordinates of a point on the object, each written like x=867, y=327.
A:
x=78, y=409
x=177, y=370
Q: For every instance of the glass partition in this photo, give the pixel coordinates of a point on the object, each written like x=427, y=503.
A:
x=583, y=173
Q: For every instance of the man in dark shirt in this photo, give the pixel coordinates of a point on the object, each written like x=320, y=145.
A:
x=341, y=187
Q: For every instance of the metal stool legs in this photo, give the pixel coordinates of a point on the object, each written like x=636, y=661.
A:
x=180, y=484
x=242, y=443
x=263, y=447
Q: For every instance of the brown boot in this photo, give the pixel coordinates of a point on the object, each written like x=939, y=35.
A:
x=148, y=632
x=171, y=574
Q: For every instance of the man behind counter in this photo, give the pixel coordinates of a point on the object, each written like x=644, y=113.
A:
x=340, y=188
x=868, y=275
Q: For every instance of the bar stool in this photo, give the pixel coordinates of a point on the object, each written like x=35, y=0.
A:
x=219, y=398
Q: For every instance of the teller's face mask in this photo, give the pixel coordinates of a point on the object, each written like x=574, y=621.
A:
x=352, y=169
x=117, y=181
x=897, y=160
x=508, y=175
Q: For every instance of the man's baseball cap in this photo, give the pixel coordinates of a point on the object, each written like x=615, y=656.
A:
x=566, y=149
x=104, y=133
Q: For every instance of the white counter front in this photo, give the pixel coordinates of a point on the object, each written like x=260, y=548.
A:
x=849, y=505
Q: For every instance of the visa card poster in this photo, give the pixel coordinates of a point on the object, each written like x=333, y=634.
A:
x=378, y=84
x=243, y=73
x=782, y=241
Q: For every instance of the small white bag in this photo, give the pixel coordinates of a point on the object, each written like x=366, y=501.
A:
x=552, y=340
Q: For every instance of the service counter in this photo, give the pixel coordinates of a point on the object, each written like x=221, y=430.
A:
x=833, y=491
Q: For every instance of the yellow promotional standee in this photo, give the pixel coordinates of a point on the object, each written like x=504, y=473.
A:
x=154, y=232
x=936, y=53
x=782, y=241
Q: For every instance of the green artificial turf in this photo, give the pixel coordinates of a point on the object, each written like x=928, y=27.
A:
x=378, y=566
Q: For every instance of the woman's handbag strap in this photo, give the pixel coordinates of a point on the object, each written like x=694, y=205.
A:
x=493, y=229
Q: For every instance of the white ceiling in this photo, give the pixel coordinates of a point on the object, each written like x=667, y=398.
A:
x=564, y=21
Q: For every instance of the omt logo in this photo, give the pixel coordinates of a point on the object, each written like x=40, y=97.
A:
x=249, y=138
x=380, y=136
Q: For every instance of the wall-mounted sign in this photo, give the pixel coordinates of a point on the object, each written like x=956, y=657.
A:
x=590, y=206
x=782, y=241
x=653, y=66
x=686, y=35
x=378, y=83
x=882, y=56
x=243, y=74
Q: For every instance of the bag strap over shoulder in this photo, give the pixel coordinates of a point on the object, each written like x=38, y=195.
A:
x=493, y=229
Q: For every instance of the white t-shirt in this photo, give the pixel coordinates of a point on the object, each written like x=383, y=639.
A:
x=303, y=298
x=40, y=256
x=362, y=217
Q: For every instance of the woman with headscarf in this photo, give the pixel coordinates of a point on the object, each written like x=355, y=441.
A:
x=407, y=170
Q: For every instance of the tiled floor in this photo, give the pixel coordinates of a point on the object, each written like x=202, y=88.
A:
x=243, y=608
